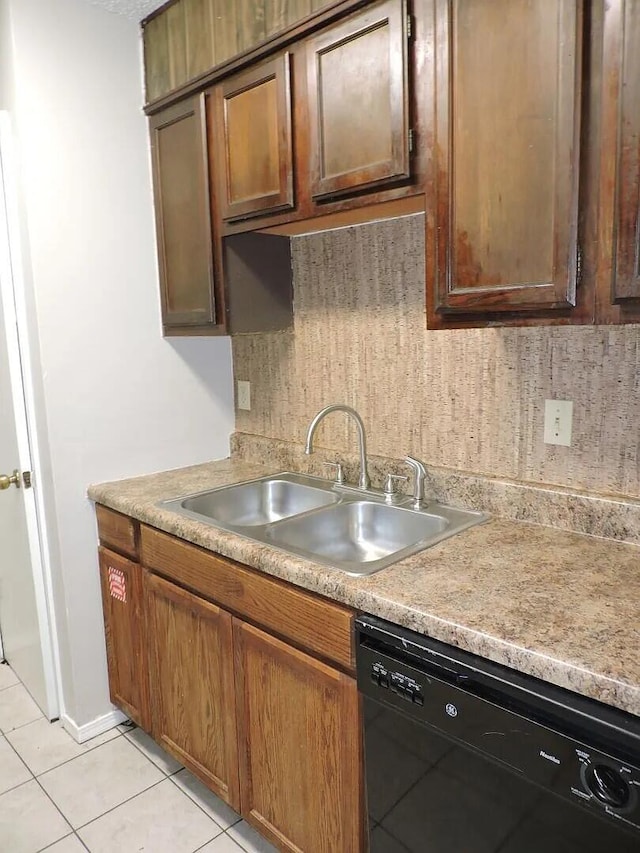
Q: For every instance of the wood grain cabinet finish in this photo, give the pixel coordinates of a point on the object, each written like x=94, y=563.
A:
x=252, y=140
x=117, y=531
x=190, y=37
x=299, y=746
x=125, y=633
x=626, y=285
x=183, y=218
x=503, y=215
x=276, y=605
x=357, y=85
x=193, y=701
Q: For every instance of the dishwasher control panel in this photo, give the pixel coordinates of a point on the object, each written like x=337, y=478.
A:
x=396, y=682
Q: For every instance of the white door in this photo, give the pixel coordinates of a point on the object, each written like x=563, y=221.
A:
x=24, y=618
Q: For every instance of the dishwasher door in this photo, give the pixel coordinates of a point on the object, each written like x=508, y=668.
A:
x=449, y=771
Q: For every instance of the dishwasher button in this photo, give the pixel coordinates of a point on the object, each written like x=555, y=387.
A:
x=418, y=699
x=384, y=682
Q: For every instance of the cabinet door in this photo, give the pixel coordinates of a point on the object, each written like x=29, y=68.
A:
x=300, y=746
x=124, y=626
x=502, y=218
x=358, y=102
x=192, y=698
x=627, y=268
x=252, y=138
x=183, y=220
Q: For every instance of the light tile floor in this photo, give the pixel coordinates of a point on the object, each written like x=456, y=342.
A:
x=117, y=793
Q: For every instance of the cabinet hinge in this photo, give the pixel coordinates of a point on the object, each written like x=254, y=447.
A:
x=411, y=140
x=409, y=26
x=579, y=266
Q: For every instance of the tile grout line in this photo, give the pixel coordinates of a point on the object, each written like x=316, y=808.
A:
x=222, y=830
x=117, y=806
x=64, y=838
x=225, y=832
x=75, y=830
x=31, y=773
x=22, y=725
x=139, y=748
x=35, y=779
x=55, y=805
x=67, y=760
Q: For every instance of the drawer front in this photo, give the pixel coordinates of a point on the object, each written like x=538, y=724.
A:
x=117, y=531
x=311, y=622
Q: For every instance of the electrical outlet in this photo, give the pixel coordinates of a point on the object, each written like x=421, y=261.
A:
x=243, y=395
x=558, y=422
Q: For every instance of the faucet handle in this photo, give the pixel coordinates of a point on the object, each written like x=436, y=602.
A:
x=390, y=493
x=339, y=478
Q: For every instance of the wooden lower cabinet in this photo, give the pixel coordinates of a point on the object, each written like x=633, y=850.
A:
x=193, y=702
x=124, y=626
x=299, y=746
x=271, y=729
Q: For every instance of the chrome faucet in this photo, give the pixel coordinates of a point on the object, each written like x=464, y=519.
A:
x=420, y=475
x=364, y=481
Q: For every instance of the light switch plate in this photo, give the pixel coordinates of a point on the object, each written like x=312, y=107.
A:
x=558, y=422
x=243, y=395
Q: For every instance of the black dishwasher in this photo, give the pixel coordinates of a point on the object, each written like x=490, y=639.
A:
x=466, y=756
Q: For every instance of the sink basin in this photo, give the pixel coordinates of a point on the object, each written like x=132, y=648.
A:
x=356, y=533
x=258, y=503
x=345, y=528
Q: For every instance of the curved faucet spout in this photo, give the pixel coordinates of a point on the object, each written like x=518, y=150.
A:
x=364, y=481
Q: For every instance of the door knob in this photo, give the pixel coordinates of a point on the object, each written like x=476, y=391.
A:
x=13, y=480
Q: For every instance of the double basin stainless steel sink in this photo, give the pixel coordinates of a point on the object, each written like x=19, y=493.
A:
x=344, y=527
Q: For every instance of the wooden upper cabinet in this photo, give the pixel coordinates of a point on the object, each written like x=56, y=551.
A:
x=125, y=633
x=183, y=219
x=626, y=286
x=252, y=140
x=357, y=82
x=502, y=217
x=299, y=745
x=193, y=702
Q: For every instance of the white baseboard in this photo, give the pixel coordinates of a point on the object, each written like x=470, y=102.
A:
x=94, y=728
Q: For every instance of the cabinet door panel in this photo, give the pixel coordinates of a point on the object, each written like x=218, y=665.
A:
x=627, y=269
x=124, y=625
x=183, y=221
x=300, y=746
x=358, y=102
x=193, y=699
x=254, y=146
x=506, y=156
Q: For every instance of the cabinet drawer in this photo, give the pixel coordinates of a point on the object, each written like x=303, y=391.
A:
x=321, y=626
x=117, y=531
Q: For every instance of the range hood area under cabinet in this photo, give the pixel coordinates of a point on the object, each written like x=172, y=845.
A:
x=510, y=123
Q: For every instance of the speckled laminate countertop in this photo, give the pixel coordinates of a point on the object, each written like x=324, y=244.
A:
x=560, y=606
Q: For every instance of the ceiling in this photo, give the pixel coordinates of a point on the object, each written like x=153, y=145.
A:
x=134, y=9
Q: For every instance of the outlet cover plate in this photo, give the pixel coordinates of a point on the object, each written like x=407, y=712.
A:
x=243, y=395
x=558, y=422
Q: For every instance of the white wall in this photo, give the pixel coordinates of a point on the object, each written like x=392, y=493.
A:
x=119, y=400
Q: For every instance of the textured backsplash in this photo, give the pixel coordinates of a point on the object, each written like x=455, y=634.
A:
x=471, y=400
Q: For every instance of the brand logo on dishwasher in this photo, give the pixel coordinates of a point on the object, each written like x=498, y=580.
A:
x=451, y=710
x=546, y=755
